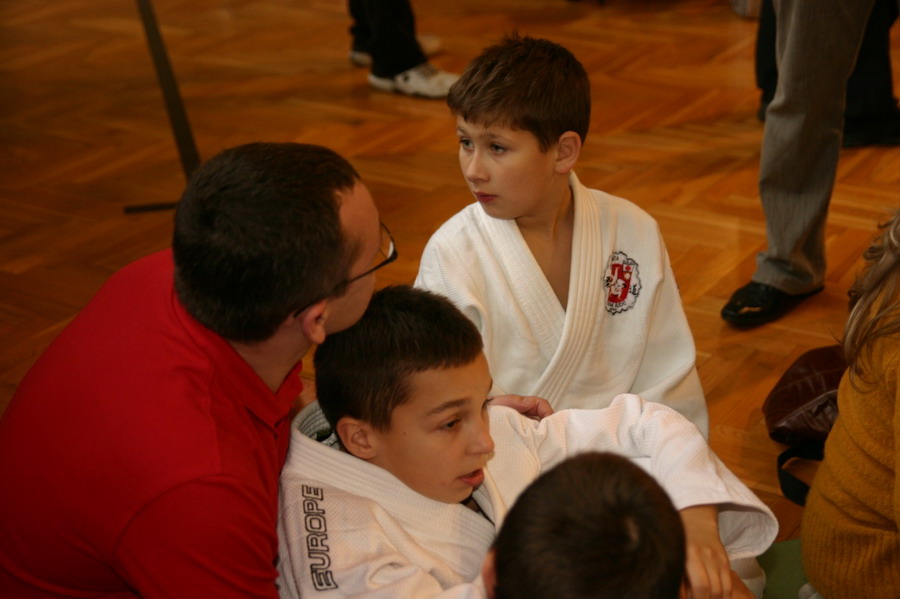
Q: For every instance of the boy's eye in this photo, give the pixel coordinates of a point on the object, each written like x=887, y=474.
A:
x=447, y=426
x=497, y=149
x=465, y=143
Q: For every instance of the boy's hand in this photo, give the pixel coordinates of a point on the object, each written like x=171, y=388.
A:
x=708, y=572
x=739, y=590
x=527, y=405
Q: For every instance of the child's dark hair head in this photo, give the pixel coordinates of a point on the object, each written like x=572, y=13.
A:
x=525, y=83
x=596, y=526
x=363, y=372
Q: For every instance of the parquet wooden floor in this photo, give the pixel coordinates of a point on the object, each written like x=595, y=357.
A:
x=83, y=133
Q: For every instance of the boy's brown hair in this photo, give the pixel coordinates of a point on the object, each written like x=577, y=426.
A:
x=525, y=83
x=596, y=526
x=364, y=371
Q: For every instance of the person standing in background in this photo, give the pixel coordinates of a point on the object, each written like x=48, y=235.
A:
x=384, y=38
x=816, y=47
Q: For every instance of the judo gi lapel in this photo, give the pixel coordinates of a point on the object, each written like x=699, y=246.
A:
x=586, y=295
x=530, y=291
x=491, y=500
x=432, y=523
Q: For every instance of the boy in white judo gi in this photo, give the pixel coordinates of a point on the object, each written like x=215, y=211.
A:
x=399, y=476
x=570, y=287
x=595, y=526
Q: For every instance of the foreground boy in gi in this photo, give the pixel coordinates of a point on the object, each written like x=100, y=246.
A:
x=570, y=287
x=395, y=486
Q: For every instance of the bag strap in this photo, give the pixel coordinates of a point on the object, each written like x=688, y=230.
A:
x=792, y=487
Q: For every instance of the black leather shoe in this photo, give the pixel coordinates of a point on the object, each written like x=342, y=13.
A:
x=757, y=303
x=881, y=131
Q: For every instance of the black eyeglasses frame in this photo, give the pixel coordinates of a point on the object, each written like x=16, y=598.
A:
x=338, y=289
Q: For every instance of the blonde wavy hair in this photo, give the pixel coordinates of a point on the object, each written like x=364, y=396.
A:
x=875, y=310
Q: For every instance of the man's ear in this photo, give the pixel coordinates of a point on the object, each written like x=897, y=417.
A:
x=489, y=573
x=356, y=437
x=568, y=149
x=312, y=321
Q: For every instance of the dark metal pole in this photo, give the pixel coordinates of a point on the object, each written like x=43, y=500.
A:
x=181, y=128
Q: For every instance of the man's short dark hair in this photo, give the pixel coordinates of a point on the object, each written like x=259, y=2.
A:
x=363, y=372
x=258, y=235
x=525, y=83
x=594, y=527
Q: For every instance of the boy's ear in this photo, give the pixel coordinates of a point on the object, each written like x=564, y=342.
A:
x=356, y=437
x=568, y=149
x=489, y=573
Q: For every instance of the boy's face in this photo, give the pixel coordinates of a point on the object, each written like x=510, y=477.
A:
x=507, y=172
x=439, y=441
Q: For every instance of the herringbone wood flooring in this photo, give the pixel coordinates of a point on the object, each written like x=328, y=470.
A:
x=83, y=133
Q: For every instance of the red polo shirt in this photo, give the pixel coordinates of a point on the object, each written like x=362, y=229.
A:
x=140, y=456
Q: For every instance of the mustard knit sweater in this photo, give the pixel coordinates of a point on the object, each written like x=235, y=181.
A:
x=849, y=535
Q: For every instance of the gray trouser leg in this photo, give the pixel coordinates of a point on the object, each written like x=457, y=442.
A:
x=817, y=43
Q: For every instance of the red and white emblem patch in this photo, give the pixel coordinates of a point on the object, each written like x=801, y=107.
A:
x=622, y=282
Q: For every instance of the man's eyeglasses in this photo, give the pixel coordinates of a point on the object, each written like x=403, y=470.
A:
x=387, y=253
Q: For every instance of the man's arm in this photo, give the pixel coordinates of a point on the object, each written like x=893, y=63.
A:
x=211, y=537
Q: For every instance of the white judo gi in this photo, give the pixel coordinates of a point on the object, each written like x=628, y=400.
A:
x=348, y=528
x=624, y=329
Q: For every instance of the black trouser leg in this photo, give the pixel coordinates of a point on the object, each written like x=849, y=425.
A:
x=392, y=43
x=766, y=67
x=870, y=89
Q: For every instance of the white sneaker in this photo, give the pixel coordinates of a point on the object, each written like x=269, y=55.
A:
x=358, y=58
x=430, y=43
x=425, y=80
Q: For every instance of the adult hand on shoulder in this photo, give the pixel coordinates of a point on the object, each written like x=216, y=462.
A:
x=708, y=572
x=527, y=405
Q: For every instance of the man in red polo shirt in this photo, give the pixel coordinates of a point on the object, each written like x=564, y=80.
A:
x=140, y=455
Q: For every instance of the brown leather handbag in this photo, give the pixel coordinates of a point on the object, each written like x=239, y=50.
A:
x=801, y=409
